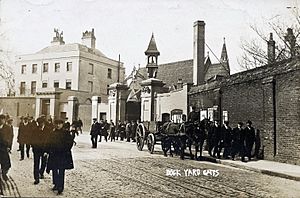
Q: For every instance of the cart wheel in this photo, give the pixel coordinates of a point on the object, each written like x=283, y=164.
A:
x=140, y=137
x=151, y=142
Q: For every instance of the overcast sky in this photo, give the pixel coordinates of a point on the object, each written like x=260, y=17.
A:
x=125, y=26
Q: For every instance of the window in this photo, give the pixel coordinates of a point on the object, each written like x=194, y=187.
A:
x=225, y=116
x=34, y=68
x=107, y=90
x=45, y=67
x=90, y=84
x=22, y=88
x=109, y=72
x=23, y=69
x=91, y=69
x=33, y=87
x=56, y=84
x=69, y=66
x=56, y=67
x=44, y=84
x=68, y=84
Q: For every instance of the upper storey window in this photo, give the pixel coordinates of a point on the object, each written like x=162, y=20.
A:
x=56, y=67
x=69, y=66
x=23, y=69
x=45, y=67
x=91, y=68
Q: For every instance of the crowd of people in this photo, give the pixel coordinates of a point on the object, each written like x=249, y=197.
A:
x=123, y=130
x=51, y=144
x=232, y=141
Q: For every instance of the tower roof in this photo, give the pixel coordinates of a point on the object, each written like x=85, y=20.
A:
x=152, y=48
x=224, y=56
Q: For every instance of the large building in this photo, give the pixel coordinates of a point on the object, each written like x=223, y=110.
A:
x=62, y=74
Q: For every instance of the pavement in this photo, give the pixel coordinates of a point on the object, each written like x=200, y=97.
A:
x=272, y=168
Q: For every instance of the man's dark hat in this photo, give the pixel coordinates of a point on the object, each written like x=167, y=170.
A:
x=94, y=118
x=240, y=123
x=249, y=122
x=40, y=120
x=58, y=121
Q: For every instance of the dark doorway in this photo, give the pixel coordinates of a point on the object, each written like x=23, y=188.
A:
x=45, y=106
x=102, y=116
x=133, y=111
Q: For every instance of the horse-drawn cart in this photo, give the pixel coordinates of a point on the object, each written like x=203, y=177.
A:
x=178, y=135
x=151, y=133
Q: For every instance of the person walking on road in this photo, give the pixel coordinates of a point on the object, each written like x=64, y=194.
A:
x=237, y=146
x=60, y=155
x=112, y=132
x=227, y=137
x=24, y=137
x=95, y=130
x=249, y=139
x=6, y=137
x=40, y=142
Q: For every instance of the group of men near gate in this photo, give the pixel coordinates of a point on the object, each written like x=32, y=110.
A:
x=110, y=131
x=235, y=141
x=51, y=145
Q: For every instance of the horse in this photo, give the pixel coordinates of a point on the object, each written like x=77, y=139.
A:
x=193, y=134
x=169, y=132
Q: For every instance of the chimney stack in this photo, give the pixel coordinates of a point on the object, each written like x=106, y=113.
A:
x=291, y=40
x=198, y=56
x=88, y=39
x=271, y=49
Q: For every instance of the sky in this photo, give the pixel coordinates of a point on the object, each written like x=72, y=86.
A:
x=125, y=26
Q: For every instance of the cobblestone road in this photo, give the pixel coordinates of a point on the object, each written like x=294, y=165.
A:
x=118, y=170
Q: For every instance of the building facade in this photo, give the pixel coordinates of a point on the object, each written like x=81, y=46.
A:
x=61, y=73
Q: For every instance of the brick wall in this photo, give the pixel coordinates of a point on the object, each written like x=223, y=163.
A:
x=268, y=96
x=17, y=107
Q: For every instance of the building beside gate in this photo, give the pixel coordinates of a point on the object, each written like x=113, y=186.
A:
x=160, y=91
x=62, y=79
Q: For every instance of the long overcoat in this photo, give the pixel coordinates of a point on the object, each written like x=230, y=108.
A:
x=60, y=154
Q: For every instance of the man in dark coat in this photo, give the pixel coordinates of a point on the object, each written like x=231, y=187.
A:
x=112, y=133
x=227, y=136
x=249, y=139
x=128, y=131
x=60, y=155
x=24, y=137
x=80, y=125
x=95, y=130
x=6, y=136
x=39, y=141
x=217, y=139
x=237, y=142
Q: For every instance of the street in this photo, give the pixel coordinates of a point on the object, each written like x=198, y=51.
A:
x=118, y=169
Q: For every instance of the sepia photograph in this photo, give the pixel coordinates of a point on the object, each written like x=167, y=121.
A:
x=150, y=98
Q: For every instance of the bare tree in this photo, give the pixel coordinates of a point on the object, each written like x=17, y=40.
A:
x=6, y=61
x=254, y=51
